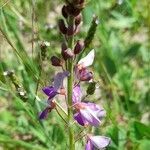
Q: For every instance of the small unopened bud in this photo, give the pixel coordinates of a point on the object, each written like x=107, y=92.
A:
x=55, y=61
x=78, y=47
x=62, y=27
x=64, y=11
x=67, y=54
x=91, y=88
x=71, y=30
x=79, y=3
x=63, y=48
x=72, y=10
x=78, y=19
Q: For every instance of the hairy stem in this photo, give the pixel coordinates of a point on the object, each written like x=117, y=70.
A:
x=69, y=90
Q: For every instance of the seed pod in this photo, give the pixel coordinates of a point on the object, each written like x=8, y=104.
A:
x=64, y=11
x=91, y=88
x=62, y=27
x=78, y=19
x=19, y=89
x=55, y=61
x=67, y=54
x=43, y=46
x=91, y=31
x=78, y=47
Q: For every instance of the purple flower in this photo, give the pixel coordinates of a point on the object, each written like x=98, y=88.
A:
x=52, y=91
x=87, y=60
x=47, y=110
x=81, y=71
x=88, y=113
x=99, y=142
x=83, y=74
x=77, y=94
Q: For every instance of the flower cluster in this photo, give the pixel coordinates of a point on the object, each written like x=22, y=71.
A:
x=85, y=113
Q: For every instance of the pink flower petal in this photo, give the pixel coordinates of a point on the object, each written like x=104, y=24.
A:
x=88, y=59
x=100, y=141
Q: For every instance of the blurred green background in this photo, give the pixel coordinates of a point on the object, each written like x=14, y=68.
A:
x=122, y=67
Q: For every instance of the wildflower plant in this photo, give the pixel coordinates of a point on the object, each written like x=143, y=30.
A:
x=80, y=111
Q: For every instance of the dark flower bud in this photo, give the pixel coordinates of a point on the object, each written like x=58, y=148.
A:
x=63, y=48
x=78, y=47
x=62, y=27
x=79, y=3
x=91, y=88
x=71, y=30
x=72, y=10
x=67, y=54
x=55, y=61
x=64, y=11
x=78, y=19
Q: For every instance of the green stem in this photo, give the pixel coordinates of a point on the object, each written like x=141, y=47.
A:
x=69, y=90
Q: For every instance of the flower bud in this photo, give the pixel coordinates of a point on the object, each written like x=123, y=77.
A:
x=62, y=27
x=55, y=61
x=78, y=19
x=67, y=54
x=71, y=30
x=78, y=47
x=72, y=10
x=79, y=3
x=64, y=11
x=63, y=48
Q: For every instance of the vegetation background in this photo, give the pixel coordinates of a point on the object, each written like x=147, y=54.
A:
x=122, y=67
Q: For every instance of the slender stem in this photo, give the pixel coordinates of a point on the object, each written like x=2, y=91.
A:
x=60, y=115
x=69, y=90
x=33, y=17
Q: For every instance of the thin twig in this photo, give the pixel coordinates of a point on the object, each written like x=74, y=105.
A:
x=60, y=115
x=33, y=17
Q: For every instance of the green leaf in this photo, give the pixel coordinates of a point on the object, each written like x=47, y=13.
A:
x=110, y=65
x=132, y=51
x=141, y=130
x=144, y=145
